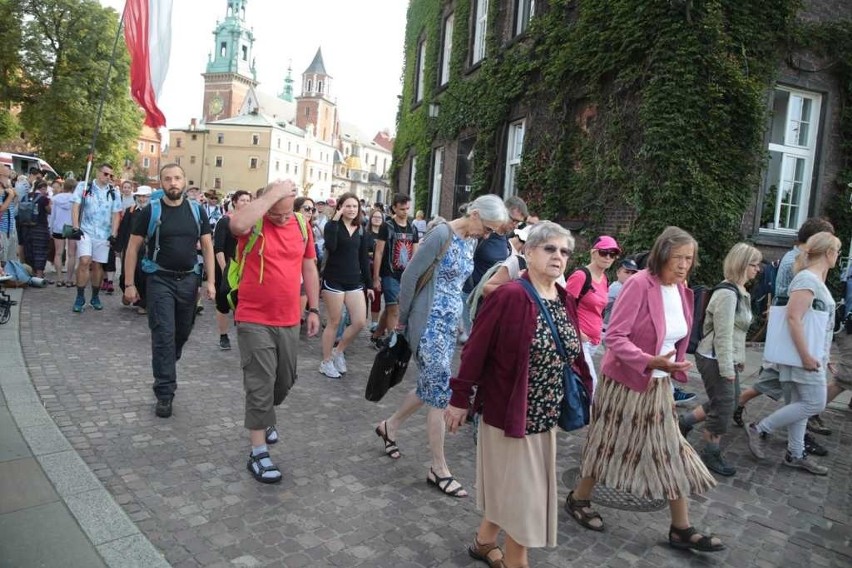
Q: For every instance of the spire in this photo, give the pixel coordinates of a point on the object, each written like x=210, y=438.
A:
x=287, y=93
x=317, y=67
x=232, y=52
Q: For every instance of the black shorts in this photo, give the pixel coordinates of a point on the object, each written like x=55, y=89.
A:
x=341, y=287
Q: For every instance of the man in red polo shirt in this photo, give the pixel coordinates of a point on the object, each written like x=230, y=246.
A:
x=268, y=314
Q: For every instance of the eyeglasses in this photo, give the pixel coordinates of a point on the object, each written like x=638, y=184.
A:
x=309, y=209
x=516, y=221
x=608, y=253
x=553, y=249
x=107, y=174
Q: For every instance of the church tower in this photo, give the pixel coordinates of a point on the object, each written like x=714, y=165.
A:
x=315, y=106
x=230, y=67
x=287, y=93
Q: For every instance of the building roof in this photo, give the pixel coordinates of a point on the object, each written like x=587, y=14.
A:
x=245, y=120
x=384, y=140
x=317, y=67
x=264, y=103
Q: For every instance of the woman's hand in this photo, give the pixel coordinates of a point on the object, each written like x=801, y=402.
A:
x=337, y=215
x=809, y=363
x=454, y=418
x=832, y=368
x=665, y=363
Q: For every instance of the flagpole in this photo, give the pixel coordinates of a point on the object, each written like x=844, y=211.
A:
x=104, y=90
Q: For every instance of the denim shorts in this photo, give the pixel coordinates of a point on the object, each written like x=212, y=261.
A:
x=390, y=289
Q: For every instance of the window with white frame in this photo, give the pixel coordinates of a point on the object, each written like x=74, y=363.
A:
x=420, y=71
x=793, y=134
x=480, y=27
x=437, y=176
x=219, y=161
x=447, y=50
x=255, y=139
x=253, y=163
x=146, y=162
x=217, y=183
x=514, y=151
x=412, y=176
x=524, y=11
x=178, y=141
x=141, y=145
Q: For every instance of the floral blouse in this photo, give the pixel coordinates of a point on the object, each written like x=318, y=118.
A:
x=544, y=391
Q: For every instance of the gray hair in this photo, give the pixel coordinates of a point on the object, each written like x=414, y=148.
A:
x=670, y=239
x=490, y=209
x=546, y=230
x=518, y=204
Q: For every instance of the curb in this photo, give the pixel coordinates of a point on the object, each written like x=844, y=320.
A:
x=111, y=532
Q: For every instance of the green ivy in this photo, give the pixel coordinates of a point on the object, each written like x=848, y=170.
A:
x=658, y=107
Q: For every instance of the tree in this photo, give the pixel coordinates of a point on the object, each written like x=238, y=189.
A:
x=67, y=46
x=10, y=68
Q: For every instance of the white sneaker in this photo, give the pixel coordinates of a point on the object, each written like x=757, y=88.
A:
x=327, y=369
x=339, y=361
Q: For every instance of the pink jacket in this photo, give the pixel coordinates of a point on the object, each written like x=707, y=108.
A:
x=636, y=331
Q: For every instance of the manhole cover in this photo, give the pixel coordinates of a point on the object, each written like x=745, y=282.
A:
x=615, y=499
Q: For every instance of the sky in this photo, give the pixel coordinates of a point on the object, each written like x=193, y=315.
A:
x=361, y=40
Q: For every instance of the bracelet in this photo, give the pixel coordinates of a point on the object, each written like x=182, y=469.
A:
x=314, y=310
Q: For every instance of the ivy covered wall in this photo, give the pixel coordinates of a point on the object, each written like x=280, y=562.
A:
x=640, y=113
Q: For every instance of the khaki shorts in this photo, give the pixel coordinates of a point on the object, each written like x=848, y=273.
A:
x=842, y=357
x=268, y=359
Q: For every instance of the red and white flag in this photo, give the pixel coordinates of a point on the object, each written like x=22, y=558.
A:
x=148, y=32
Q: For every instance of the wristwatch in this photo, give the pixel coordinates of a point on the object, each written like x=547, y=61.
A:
x=314, y=310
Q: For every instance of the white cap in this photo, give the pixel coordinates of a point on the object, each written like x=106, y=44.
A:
x=143, y=190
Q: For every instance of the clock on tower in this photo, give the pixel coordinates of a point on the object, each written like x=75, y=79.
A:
x=216, y=105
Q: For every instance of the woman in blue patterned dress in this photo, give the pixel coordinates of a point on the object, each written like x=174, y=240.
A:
x=429, y=310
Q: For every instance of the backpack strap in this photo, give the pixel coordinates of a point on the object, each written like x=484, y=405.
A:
x=587, y=283
x=256, y=233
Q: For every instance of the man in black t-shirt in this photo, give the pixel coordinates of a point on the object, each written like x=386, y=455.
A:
x=172, y=278
x=395, y=245
x=225, y=248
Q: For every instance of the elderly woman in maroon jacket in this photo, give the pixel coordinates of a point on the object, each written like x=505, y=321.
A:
x=634, y=444
x=512, y=360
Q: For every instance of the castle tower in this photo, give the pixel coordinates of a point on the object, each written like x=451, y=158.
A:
x=287, y=93
x=315, y=106
x=230, y=68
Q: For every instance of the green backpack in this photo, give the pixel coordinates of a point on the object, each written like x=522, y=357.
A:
x=235, y=269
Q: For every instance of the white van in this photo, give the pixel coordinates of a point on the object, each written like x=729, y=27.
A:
x=22, y=163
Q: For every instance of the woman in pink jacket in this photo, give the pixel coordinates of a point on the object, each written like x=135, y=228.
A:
x=634, y=444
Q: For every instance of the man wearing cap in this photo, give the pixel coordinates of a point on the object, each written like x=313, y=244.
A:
x=588, y=284
x=141, y=198
x=626, y=268
x=212, y=207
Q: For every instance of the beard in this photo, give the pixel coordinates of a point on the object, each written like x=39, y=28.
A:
x=174, y=193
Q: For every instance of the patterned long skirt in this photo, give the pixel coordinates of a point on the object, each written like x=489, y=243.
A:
x=634, y=444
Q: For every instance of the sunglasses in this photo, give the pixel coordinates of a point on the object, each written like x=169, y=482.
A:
x=308, y=209
x=553, y=249
x=608, y=253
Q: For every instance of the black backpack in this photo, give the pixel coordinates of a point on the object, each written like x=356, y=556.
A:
x=701, y=298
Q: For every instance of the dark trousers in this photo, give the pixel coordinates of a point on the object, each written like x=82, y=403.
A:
x=171, y=314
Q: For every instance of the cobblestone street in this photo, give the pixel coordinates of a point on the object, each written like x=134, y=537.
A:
x=184, y=482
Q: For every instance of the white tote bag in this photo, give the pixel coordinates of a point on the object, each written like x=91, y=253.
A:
x=780, y=348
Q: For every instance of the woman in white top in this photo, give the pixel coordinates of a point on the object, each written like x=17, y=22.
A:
x=60, y=215
x=808, y=394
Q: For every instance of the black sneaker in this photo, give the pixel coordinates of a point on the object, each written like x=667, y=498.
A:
x=716, y=463
x=377, y=342
x=164, y=408
x=816, y=426
x=738, y=416
x=224, y=343
x=813, y=447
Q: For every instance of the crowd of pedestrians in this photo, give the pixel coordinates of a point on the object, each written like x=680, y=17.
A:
x=490, y=284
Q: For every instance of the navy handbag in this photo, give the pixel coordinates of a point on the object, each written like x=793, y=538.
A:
x=574, y=410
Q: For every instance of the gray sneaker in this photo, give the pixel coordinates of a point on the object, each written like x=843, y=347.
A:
x=805, y=462
x=756, y=442
x=339, y=361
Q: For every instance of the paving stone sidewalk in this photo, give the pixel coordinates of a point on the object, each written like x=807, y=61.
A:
x=342, y=502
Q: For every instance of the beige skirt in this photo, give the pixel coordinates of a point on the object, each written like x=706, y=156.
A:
x=516, y=484
x=634, y=444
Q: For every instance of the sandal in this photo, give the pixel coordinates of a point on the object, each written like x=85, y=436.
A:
x=738, y=416
x=60, y=284
x=684, y=540
x=481, y=552
x=575, y=508
x=271, y=435
x=443, y=485
x=391, y=449
x=257, y=469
